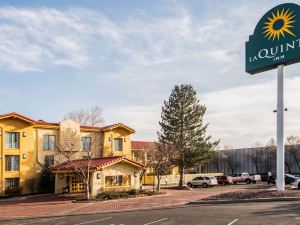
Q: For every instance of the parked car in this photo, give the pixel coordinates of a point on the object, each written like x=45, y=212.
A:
x=204, y=181
x=223, y=180
x=264, y=176
x=288, y=179
x=296, y=183
x=245, y=178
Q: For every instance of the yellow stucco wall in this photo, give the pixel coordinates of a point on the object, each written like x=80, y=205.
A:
x=108, y=143
x=32, y=155
x=26, y=153
x=121, y=168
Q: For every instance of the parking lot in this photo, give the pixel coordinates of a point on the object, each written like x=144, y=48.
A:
x=279, y=213
x=60, y=205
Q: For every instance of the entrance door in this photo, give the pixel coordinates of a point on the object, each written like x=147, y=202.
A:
x=76, y=184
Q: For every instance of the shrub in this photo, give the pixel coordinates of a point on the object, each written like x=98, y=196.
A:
x=133, y=192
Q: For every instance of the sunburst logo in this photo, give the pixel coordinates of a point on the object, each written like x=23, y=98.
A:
x=279, y=24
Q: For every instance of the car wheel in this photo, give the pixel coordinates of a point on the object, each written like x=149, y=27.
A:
x=222, y=183
x=248, y=181
x=190, y=185
x=205, y=185
x=234, y=182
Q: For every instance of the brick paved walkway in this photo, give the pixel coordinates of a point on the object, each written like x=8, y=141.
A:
x=52, y=205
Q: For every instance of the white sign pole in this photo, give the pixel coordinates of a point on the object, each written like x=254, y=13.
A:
x=280, y=131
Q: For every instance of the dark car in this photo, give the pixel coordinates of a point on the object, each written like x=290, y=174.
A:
x=264, y=176
x=223, y=180
x=288, y=179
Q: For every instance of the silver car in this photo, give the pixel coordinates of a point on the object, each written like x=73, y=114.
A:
x=204, y=181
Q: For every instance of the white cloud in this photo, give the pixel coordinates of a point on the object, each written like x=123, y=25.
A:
x=244, y=115
x=149, y=53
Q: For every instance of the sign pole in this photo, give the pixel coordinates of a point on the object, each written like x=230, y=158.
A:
x=280, y=131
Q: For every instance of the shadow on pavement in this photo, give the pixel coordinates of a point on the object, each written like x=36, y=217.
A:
x=281, y=209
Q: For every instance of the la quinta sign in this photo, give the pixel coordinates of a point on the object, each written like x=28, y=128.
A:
x=276, y=39
x=274, y=44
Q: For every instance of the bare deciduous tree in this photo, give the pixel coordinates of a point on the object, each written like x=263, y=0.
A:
x=68, y=152
x=229, y=155
x=291, y=146
x=90, y=117
x=160, y=158
x=69, y=148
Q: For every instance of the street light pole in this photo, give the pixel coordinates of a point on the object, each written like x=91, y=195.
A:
x=280, y=131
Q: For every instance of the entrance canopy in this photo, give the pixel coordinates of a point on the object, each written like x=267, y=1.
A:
x=95, y=164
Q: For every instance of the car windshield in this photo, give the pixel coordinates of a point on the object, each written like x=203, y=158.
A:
x=206, y=178
x=291, y=176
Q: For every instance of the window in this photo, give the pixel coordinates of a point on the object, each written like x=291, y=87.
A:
x=118, y=144
x=12, y=163
x=11, y=182
x=115, y=181
x=49, y=160
x=49, y=142
x=12, y=186
x=86, y=143
x=12, y=140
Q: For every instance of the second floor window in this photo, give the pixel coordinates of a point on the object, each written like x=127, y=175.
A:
x=49, y=142
x=86, y=143
x=12, y=163
x=118, y=144
x=12, y=140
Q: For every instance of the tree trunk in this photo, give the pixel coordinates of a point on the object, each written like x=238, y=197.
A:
x=288, y=167
x=296, y=159
x=87, y=186
x=181, y=171
x=87, y=191
x=158, y=183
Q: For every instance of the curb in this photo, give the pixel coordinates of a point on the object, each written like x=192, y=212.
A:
x=205, y=202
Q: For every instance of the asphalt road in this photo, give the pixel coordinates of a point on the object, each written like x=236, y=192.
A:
x=271, y=213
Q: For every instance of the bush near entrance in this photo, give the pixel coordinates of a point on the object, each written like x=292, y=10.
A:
x=129, y=194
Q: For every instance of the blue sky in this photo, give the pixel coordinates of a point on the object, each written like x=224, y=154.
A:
x=126, y=56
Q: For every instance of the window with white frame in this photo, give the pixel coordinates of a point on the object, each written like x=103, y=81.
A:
x=86, y=143
x=118, y=144
x=12, y=140
x=12, y=163
x=49, y=142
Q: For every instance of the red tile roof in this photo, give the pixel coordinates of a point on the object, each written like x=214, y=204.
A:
x=42, y=122
x=96, y=163
x=141, y=145
x=14, y=114
x=110, y=127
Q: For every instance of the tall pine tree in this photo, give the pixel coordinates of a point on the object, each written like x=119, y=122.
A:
x=182, y=127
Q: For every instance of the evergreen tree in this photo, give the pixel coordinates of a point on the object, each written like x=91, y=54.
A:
x=47, y=179
x=182, y=127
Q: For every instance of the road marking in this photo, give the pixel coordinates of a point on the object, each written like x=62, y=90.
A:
x=44, y=220
x=157, y=221
x=232, y=222
x=93, y=221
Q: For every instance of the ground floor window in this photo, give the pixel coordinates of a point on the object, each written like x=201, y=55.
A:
x=12, y=186
x=115, y=181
